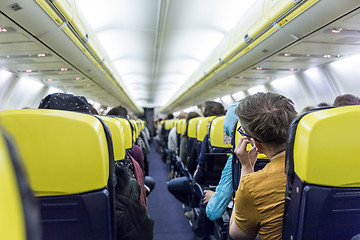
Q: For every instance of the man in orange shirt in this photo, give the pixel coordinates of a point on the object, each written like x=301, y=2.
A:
x=259, y=200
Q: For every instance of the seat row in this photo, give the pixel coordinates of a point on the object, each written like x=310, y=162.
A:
x=68, y=159
x=322, y=164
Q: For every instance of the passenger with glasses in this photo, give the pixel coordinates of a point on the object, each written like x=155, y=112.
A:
x=260, y=197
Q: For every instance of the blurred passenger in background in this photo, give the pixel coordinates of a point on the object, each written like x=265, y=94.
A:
x=346, y=99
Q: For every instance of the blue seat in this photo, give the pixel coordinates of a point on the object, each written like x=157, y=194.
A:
x=69, y=158
x=323, y=181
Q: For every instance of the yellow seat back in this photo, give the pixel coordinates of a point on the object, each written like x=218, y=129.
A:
x=169, y=124
x=325, y=150
x=134, y=129
x=179, y=125
x=12, y=220
x=192, y=127
x=128, y=134
x=64, y=152
x=117, y=136
x=202, y=127
x=218, y=136
x=248, y=147
x=183, y=127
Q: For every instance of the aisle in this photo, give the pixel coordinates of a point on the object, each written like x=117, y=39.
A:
x=167, y=212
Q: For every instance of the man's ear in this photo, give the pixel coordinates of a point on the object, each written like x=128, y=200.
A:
x=259, y=146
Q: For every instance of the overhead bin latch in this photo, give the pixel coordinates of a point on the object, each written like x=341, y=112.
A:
x=85, y=39
x=247, y=38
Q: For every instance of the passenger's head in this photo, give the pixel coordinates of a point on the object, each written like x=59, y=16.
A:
x=308, y=108
x=323, y=104
x=266, y=116
x=170, y=116
x=182, y=115
x=93, y=110
x=189, y=116
x=118, y=111
x=212, y=108
x=230, y=119
x=346, y=99
x=64, y=101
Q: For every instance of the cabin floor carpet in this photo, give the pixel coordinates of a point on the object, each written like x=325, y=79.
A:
x=167, y=212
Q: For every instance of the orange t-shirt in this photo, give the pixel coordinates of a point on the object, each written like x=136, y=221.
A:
x=259, y=200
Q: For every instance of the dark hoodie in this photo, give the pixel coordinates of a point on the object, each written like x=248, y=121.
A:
x=132, y=219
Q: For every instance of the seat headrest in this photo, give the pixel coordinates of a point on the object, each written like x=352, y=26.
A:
x=117, y=136
x=192, y=127
x=64, y=152
x=202, y=127
x=179, y=125
x=325, y=146
x=218, y=136
x=128, y=134
x=169, y=124
x=135, y=130
x=237, y=139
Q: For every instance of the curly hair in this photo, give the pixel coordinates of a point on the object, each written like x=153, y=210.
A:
x=266, y=116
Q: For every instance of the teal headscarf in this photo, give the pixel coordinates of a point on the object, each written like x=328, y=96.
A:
x=230, y=119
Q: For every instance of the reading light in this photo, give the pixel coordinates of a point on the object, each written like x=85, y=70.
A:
x=77, y=78
x=41, y=55
x=29, y=71
x=336, y=30
x=259, y=68
x=291, y=69
x=287, y=54
x=49, y=80
x=3, y=29
x=63, y=69
x=327, y=56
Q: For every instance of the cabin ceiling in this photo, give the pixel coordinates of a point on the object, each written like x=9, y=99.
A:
x=156, y=45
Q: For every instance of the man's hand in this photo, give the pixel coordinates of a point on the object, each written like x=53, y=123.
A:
x=208, y=194
x=247, y=158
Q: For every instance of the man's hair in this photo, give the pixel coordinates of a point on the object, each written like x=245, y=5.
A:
x=118, y=111
x=212, y=108
x=346, y=99
x=266, y=116
x=170, y=116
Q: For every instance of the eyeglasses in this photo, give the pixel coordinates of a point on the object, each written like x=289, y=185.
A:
x=247, y=135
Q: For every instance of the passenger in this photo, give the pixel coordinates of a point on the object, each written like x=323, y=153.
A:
x=184, y=136
x=307, y=108
x=323, y=104
x=118, y=111
x=218, y=201
x=259, y=200
x=346, y=99
x=64, y=101
x=172, y=139
x=132, y=219
x=203, y=226
x=180, y=187
x=136, y=165
x=210, y=108
x=93, y=110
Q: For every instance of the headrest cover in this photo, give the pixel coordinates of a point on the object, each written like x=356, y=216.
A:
x=169, y=124
x=192, y=127
x=117, y=136
x=326, y=149
x=218, y=137
x=64, y=152
x=179, y=125
x=202, y=127
x=64, y=101
x=127, y=132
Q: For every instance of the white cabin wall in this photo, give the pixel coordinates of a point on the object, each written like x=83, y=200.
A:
x=346, y=75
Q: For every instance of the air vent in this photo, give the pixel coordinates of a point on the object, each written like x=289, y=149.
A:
x=15, y=7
